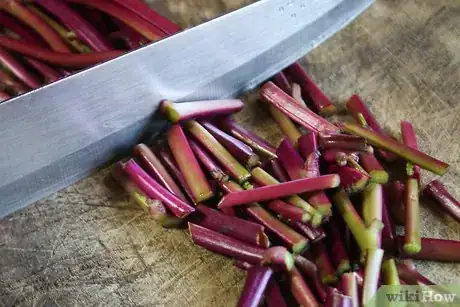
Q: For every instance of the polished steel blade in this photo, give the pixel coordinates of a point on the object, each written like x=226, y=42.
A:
x=55, y=135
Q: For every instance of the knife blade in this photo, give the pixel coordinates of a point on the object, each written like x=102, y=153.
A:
x=60, y=133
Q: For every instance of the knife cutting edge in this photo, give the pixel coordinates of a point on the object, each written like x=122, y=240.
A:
x=60, y=133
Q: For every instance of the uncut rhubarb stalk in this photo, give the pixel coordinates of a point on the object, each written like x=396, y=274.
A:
x=310, y=271
x=237, y=148
x=74, y=21
x=25, y=15
x=18, y=69
x=371, y=274
x=286, y=125
x=256, y=282
x=125, y=15
x=310, y=90
x=208, y=163
x=337, y=299
x=274, y=296
x=300, y=289
x=154, y=190
x=225, y=245
x=390, y=274
x=409, y=154
x=81, y=60
x=257, y=143
x=185, y=159
x=412, y=240
x=176, y=112
x=349, y=286
x=153, y=207
x=234, y=227
x=356, y=107
x=286, y=104
x=295, y=241
x=156, y=169
x=437, y=192
x=140, y=8
x=324, y=264
x=337, y=250
x=233, y=167
x=435, y=250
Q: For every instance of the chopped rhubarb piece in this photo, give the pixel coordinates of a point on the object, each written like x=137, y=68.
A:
x=208, y=163
x=256, y=282
x=279, y=257
x=300, y=289
x=435, y=250
x=324, y=264
x=437, y=192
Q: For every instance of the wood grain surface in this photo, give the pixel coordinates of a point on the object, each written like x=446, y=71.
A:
x=88, y=245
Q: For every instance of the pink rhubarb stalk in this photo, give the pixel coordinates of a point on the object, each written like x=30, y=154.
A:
x=373, y=167
x=349, y=286
x=274, y=296
x=280, y=190
x=326, y=270
x=155, y=191
x=394, y=192
x=362, y=115
x=278, y=170
x=310, y=271
x=339, y=156
x=18, y=69
x=374, y=259
x=24, y=14
x=412, y=244
x=282, y=82
x=74, y=21
x=176, y=112
x=351, y=179
x=156, y=169
x=409, y=154
x=153, y=207
x=289, y=211
x=300, y=289
x=310, y=90
x=234, y=227
x=233, y=167
x=246, y=136
x=121, y=13
x=208, y=163
x=437, y=192
x=435, y=250
x=409, y=275
x=291, y=160
x=278, y=257
x=314, y=234
x=256, y=282
x=286, y=104
x=237, y=148
x=225, y=245
x=343, y=141
x=410, y=140
x=336, y=247
x=140, y=8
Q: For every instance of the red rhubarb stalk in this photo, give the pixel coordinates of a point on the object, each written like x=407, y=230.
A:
x=156, y=169
x=246, y=136
x=155, y=191
x=409, y=275
x=334, y=155
x=280, y=190
x=310, y=271
x=24, y=14
x=274, y=296
x=412, y=244
x=410, y=140
x=291, y=160
x=208, y=162
x=343, y=141
x=140, y=8
x=282, y=82
x=300, y=289
x=193, y=174
x=21, y=72
x=286, y=104
x=394, y=192
x=289, y=211
x=351, y=179
x=349, y=286
x=176, y=112
x=390, y=272
x=56, y=58
x=371, y=274
x=314, y=234
x=74, y=21
x=326, y=270
x=388, y=231
x=256, y=282
x=278, y=257
x=234, y=168
x=278, y=170
x=435, y=250
x=337, y=299
x=437, y=192
x=225, y=245
x=234, y=227
x=237, y=148
x=153, y=207
x=356, y=107
x=337, y=249
x=373, y=167
x=49, y=74
x=310, y=90
x=125, y=15
x=409, y=154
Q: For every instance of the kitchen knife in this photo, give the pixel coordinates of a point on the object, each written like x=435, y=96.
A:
x=59, y=133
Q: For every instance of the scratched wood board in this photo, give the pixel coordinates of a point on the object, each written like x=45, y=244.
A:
x=89, y=245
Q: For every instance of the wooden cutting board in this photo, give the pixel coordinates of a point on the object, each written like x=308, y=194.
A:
x=88, y=245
